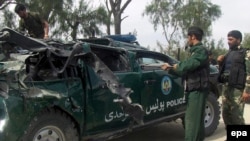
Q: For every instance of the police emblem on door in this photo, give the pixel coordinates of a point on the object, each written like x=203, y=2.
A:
x=166, y=85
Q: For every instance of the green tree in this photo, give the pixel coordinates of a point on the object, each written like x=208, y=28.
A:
x=103, y=17
x=8, y=23
x=66, y=18
x=5, y=3
x=6, y=14
x=246, y=41
x=117, y=9
x=107, y=17
x=217, y=48
x=49, y=10
x=175, y=17
x=74, y=19
x=198, y=13
x=163, y=13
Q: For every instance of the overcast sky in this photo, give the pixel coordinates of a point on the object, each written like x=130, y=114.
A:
x=235, y=15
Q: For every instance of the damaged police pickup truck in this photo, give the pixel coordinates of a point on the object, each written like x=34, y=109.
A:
x=95, y=89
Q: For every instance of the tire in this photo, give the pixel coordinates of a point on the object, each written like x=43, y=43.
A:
x=52, y=125
x=212, y=114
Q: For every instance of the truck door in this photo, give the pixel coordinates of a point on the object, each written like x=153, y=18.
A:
x=162, y=94
x=103, y=113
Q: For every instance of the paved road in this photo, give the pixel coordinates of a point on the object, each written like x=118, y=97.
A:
x=173, y=131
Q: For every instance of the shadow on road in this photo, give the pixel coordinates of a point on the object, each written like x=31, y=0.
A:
x=173, y=131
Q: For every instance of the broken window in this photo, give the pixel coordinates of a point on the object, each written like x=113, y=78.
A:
x=113, y=60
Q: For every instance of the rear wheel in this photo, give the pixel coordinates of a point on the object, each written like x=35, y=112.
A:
x=212, y=114
x=51, y=125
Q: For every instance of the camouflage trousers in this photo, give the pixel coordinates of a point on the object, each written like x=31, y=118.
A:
x=232, y=106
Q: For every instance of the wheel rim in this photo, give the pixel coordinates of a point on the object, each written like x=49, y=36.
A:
x=49, y=133
x=209, y=114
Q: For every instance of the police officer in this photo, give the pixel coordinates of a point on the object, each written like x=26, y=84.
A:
x=233, y=74
x=195, y=70
x=31, y=21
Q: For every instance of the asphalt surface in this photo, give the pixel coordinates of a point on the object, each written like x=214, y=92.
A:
x=173, y=131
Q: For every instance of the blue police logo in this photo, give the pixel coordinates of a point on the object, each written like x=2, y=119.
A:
x=166, y=85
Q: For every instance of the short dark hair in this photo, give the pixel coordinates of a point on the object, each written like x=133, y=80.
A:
x=197, y=31
x=236, y=34
x=19, y=7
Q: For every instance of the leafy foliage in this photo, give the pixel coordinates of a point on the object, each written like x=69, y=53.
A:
x=72, y=19
x=246, y=41
x=163, y=13
x=175, y=17
x=198, y=13
x=67, y=18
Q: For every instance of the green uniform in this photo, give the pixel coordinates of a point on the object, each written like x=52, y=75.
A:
x=196, y=98
x=34, y=24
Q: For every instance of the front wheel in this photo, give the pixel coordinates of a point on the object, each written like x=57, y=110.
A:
x=51, y=125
